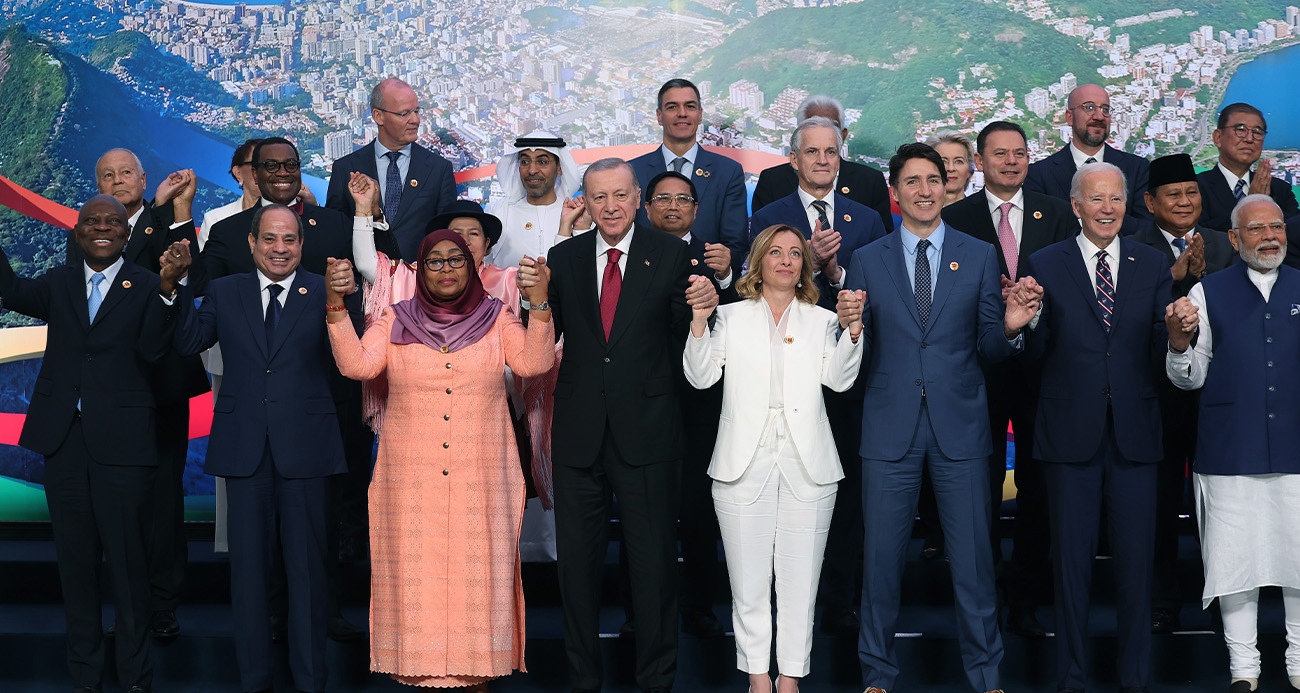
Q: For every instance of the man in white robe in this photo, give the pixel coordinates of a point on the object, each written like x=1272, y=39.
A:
x=537, y=174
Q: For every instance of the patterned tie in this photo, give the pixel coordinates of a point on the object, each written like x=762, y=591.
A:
x=610, y=287
x=821, y=207
x=1105, y=288
x=922, y=286
x=1239, y=191
x=1181, y=245
x=679, y=163
x=272, y=312
x=1007, y=239
x=96, y=298
x=392, y=187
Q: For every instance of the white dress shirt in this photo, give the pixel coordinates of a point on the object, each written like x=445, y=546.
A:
x=807, y=199
x=1080, y=158
x=1232, y=178
x=1090, y=260
x=602, y=248
x=1016, y=214
x=776, y=331
x=381, y=164
x=1187, y=370
x=213, y=216
x=263, y=282
x=689, y=169
x=1170, y=238
x=526, y=229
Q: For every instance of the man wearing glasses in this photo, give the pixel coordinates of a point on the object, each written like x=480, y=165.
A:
x=1088, y=113
x=415, y=184
x=1239, y=135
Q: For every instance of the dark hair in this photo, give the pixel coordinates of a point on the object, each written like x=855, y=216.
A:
x=257, y=149
x=676, y=83
x=256, y=225
x=1238, y=107
x=242, y=152
x=998, y=126
x=654, y=184
x=915, y=150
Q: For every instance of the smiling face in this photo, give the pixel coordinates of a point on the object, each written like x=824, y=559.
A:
x=1260, y=235
x=612, y=197
x=118, y=173
x=283, y=185
x=449, y=282
x=1090, y=129
x=817, y=160
x=101, y=231
x=956, y=163
x=1100, y=206
x=680, y=114
x=783, y=262
x=1005, y=162
x=671, y=216
x=471, y=230
x=1175, y=206
x=277, y=244
x=538, y=170
x=919, y=194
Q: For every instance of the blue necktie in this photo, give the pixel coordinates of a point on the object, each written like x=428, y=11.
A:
x=821, y=207
x=272, y=312
x=1105, y=288
x=1239, y=191
x=922, y=287
x=1181, y=245
x=96, y=298
x=679, y=163
x=392, y=187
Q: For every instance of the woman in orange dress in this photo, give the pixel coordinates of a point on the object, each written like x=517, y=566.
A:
x=447, y=497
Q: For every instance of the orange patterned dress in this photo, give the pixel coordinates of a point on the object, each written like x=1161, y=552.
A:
x=446, y=502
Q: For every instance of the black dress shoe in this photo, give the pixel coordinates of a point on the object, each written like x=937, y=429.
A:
x=701, y=623
x=279, y=628
x=341, y=630
x=163, y=625
x=1239, y=687
x=1164, y=621
x=932, y=550
x=1022, y=621
x=840, y=621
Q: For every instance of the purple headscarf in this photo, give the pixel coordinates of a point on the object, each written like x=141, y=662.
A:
x=445, y=325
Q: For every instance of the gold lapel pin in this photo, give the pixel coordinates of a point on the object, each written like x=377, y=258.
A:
x=444, y=349
x=848, y=218
x=311, y=221
x=415, y=183
x=528, y=225
x=148, y=230
x=302, y=290
x=789, y=340
x=694, y=262
x=701, y=172
x=845, y=190
x=953, y=266
x=1038, y=215
x=126, y=283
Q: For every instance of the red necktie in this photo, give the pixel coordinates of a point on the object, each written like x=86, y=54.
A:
x=297, y=207
x=610, y=287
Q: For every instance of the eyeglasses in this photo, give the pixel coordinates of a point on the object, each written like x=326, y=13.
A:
x=400, y=114
x=1276, y=227
x=665, y=199
x=273, y=166
x=435, y=264
x=1090, y=108
x=1240, y=130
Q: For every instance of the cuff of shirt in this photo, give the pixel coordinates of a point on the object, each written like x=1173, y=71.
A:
x=181, y=223
x=726, y=283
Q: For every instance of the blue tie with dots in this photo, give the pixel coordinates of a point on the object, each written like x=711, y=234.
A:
x=392, y=187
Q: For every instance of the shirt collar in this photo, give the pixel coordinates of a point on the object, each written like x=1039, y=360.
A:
x=602, y=247
x=1080, y=157
x=690, y=156
x=130, y=223
x=1017, y=200
x=381, y=152
x=807, y=199
x=1090, y=250
x=264, y=202
x=1169, y=237
x=110, y=273
x=1232, y=177
x=910, y=240
x=263, y=281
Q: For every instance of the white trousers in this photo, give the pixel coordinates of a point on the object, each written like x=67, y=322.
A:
x=1241, y=629
x=774, y=521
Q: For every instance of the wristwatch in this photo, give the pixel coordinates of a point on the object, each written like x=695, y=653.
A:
x=544, y=305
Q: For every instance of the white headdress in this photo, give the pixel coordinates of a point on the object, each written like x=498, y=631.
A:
x=566, y=183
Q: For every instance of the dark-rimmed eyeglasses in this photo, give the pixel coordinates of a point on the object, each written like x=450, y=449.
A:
x=1090, y=108
x=1241, y=130
x=435, y=264
x=665, y=199
x=399, y=114
x=273, y=166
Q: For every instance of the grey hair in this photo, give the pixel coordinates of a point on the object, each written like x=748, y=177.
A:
x=1076, y=183
x=377, y=94
x=609, y=164
x=796, y=138
x=1250, y=200
x=139, y=167
x=821, y=102
x=256, y=226
x=953, y=137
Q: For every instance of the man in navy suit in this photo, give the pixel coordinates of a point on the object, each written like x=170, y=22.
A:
x=933, y=310
x=275, y=438
x=858, y=182
x=1100, y=341
x=415, y=184
x=719, y=181
x=1087, y=112
x=1239, y=135
x=92, y=417
x=837, y=226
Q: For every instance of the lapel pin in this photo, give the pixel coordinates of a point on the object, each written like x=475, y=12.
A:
x=694, y=262
x=1038, y=215
x=953, y=266
x=701, y=172
x=126, y=283
x=444, y=349
x=302, y=290
x=311, y=221
x=789, y=340
x=848, y=218
x=845, y=190
x=1130, y=259
x=148, y=230
x=415, y=183
x=528, y=225
x=647, y=263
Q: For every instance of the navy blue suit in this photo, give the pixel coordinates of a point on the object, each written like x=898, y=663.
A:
x=1217, y=199
x=275, y=437
x=720, y=186
x=428, y=188
x=1052, y=176
x=1098, y=429
x=925, y=407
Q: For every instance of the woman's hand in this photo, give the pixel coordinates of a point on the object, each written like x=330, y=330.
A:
x=339, y=282
x=849, y=309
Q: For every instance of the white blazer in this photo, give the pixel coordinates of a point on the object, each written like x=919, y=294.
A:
x=740, y=341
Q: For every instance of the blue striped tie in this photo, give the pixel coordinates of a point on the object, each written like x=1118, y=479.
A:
x=1105, y=288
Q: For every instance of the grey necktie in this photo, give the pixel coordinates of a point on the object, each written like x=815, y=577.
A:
x=679, y=163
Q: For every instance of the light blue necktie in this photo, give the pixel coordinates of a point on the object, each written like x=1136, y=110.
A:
x=96, y=298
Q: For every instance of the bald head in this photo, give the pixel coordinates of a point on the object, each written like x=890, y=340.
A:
x=1088, y=114
x=396, y=110
x=101, y=231
x=119, y=173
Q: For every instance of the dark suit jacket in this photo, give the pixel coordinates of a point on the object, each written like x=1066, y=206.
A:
x=1046, y=221
x=106, y=366
x=857, y=225
x=1293, y=259
x=278, y=392
x=858, y=182
x=1218, y=254
x=629, y=382
x=725, y=296
x=1084, y=368
x=429, y=187
x=1052, y=176
x=1217, y=200
x=720, y=186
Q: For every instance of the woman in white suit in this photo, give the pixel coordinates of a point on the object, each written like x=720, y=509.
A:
x=774, y=468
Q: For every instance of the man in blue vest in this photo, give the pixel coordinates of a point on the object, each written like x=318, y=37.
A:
x=1247, y=472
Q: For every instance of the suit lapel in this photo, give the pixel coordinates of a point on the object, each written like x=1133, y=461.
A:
x=700, y=176
x=294, y=307
x=114, y=293
x=642, y=262
x=796, y=212
x=368, y=165
x=953, y=252
x=1128, y=266
x=895, y=266
x=1078, y=270
x=586, y=296
x=77, y=296
x=250, y=294
x=418, y=171
x=140, y=234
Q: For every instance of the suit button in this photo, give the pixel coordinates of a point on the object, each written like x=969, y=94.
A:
x=268, y=371
x=1106, y=391
x=1270, y=364
x=924, y=345
x=606, y=359
x=1268, y=339
x=449, y=366
x=263, y=401
x=445, y=472
x=446, y=445
x=449, y=391
x=916, y=382
x=446, y=417
x=1108, y=354
x=1271, y=388
x=1271, y=415
x=1268, y=316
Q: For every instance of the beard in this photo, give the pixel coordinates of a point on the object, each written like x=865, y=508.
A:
x=1252, y=258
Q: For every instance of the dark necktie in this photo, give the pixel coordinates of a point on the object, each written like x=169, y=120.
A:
x=610, y=286
x=1239, y=191
x=297, y=207
x=1181, y=245
x=821, y=207
x=272, y=312
x=922, y=282
x=392, y=187
x=1105, y=288
x=679, y=163
x=1090, y=160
